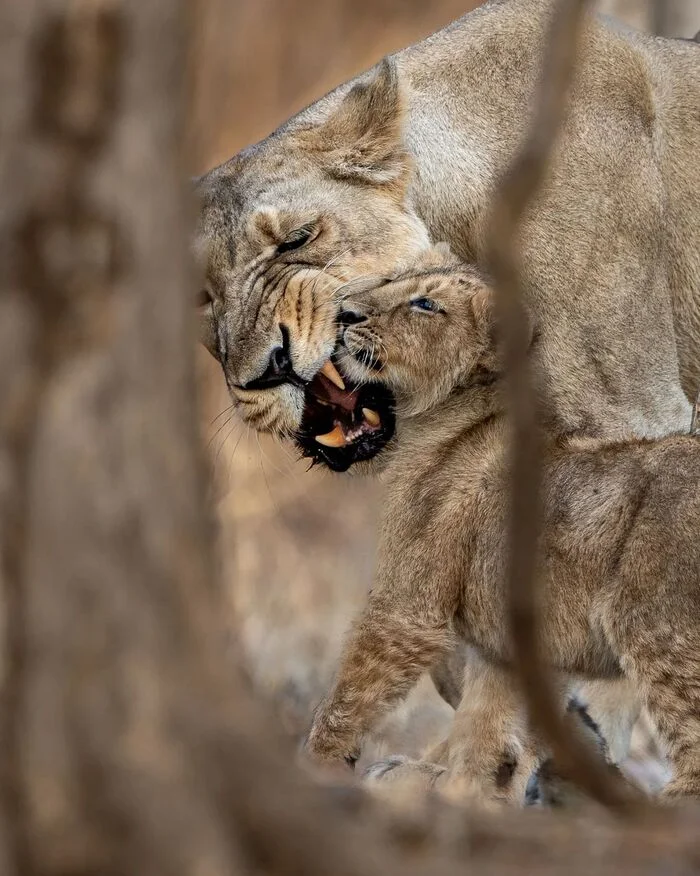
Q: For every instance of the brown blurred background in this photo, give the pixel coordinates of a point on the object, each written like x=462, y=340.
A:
x=298, y=546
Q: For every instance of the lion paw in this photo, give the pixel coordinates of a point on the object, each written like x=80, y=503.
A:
x=402, y=771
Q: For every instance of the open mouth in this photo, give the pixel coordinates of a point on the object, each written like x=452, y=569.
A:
x=344, y=423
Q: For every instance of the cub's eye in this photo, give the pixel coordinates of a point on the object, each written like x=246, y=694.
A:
x=426, y=304
x=296, y=239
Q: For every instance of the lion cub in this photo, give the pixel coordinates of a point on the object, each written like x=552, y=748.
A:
x=620, y=553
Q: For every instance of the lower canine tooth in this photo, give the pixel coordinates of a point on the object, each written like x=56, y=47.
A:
x=371, y=416
x=334, y=438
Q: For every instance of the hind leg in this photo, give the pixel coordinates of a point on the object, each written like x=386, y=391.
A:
x=658, y=643
x=490, y=750
x=614, y=706
x=489, y=754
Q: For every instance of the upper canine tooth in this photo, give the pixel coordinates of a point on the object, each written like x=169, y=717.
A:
x=331, y=372
x=372, y=417
x=334, y=438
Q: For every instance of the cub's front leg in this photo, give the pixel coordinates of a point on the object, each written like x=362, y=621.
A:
x=404, y=630
x=491, y=751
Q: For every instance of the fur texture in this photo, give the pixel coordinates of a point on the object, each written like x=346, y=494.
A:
x=412, y=149
x=612, y=249
x=619, y=555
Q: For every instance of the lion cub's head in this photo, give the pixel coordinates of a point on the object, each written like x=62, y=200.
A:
x=422, y=333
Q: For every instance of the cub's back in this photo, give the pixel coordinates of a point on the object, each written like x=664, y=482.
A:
x=639, y=499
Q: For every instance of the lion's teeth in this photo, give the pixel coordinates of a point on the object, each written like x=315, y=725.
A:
x=334, y=438
x=372, y=417
x=331, y=372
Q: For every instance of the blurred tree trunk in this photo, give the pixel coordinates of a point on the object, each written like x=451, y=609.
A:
x=671, y=18
x=106, y=578
x=677, y=18
x=127, y=746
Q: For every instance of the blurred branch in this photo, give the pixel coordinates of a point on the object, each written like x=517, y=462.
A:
x=676, y=18
x=515, y=194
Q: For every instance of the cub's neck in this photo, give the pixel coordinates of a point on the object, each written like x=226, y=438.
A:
x=464, y=409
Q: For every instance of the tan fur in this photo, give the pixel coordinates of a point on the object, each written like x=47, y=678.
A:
x=612, y=248
x=489, y=754
x=619, y=554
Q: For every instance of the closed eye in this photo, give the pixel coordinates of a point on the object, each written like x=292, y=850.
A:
x=426, y=305
x=296, y=239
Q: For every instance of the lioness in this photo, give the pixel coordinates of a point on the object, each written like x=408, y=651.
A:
x=619, y=553
x=351, y=185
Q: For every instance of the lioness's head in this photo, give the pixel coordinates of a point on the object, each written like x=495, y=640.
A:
x=423, y=333
x=285, y=228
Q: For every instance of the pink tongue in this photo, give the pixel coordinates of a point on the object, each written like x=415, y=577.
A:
x=329, y=392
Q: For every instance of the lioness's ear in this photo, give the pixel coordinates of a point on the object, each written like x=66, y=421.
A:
x=362, y=139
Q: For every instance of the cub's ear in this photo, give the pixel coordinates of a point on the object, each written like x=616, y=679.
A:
x=483, y=303
x=362, y=139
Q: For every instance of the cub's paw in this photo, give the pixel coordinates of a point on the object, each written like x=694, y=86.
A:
x=324, y=763
x=399, y=771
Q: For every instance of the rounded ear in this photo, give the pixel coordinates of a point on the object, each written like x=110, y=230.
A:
x=483, y=306
x=483, y=303
x=362, y=139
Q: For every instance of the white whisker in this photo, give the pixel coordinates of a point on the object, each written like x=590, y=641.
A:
x=221, y=414
x=222, y=426
x=221, y=446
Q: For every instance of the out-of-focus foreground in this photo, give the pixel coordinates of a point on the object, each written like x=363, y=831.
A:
x=128, y=744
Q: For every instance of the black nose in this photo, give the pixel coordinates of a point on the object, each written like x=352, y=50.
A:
x=280, y=360
x=350, y=317
x=279, y=369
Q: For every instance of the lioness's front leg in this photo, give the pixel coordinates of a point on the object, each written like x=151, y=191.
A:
x=394, y=642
